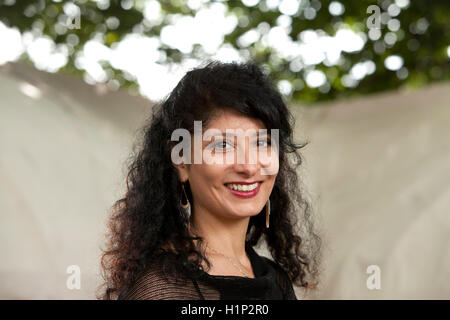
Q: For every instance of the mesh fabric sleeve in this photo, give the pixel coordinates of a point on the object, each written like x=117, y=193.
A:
x=154, y=285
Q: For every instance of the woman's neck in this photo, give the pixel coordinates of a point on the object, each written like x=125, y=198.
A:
x=224, y=236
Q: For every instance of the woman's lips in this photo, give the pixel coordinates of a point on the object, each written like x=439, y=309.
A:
x=245, y=194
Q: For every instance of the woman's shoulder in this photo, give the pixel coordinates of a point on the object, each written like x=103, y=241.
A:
x=156, y=284
x=279, y=270
x=282, y=279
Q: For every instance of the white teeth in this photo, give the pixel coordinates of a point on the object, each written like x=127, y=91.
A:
x=243, y=187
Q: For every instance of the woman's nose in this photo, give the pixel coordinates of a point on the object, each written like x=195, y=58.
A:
x=247, y=169
x=246, y=162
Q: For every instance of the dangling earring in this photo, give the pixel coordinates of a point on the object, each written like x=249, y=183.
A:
x=267, y=213
x=186, y=206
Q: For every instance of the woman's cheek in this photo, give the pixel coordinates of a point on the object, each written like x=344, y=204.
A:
x=270, y=165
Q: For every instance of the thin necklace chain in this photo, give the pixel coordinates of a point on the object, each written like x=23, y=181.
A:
x=229, y=259
x=225, y=256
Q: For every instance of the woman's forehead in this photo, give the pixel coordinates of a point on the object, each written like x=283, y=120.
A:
x=227, y=118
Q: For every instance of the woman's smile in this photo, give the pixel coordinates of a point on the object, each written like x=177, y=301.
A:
x=244, y=189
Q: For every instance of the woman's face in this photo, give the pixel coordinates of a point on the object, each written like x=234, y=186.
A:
x=233, y=186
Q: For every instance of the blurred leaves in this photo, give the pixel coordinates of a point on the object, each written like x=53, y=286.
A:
x=419, y=33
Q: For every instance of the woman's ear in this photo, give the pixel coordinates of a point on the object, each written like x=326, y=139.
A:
x=181, y=168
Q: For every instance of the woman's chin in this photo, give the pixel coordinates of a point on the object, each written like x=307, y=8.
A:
x=245, y=212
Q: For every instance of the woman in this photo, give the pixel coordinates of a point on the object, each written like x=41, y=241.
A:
x=186, y=229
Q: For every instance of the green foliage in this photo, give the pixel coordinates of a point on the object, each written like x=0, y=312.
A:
x=421, y=41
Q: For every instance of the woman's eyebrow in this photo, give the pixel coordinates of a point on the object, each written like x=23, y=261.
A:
x=257, y=133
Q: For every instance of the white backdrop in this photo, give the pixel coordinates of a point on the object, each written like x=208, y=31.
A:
x=377, y=170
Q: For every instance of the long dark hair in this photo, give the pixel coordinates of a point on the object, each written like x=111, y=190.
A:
x=148, y=223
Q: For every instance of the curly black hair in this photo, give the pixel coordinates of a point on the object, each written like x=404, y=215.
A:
x=148, y=223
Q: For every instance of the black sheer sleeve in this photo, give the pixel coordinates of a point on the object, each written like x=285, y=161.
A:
x=154, y=285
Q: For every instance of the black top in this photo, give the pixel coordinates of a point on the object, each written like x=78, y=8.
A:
x=271, y=282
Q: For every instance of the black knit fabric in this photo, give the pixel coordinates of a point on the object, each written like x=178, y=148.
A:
x=271, y=282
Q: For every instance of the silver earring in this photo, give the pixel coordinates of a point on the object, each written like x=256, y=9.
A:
x=267, y=213
x=186, y=206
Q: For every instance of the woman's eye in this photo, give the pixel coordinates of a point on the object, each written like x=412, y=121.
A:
x=263, y=143
x=221, y=145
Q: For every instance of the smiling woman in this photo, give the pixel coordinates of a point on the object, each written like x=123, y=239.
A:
x=186, y=230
